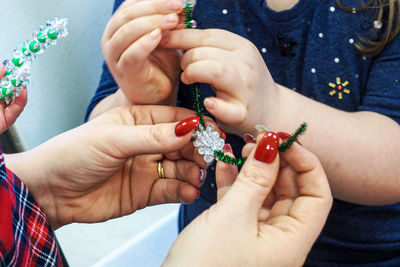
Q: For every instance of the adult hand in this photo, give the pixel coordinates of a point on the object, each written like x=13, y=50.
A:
x=9, y=113
x=99, y=170
x=270, y=216
x=146, y=73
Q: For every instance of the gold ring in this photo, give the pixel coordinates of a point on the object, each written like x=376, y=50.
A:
x=160, y=170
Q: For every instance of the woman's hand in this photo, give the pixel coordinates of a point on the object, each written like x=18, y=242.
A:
x=146, y=73
x=234, y=67
x=99, y=170
x=270, y=216
x=9, y=113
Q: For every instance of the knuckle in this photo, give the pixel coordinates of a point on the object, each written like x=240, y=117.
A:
x=257, y=175
x=156, y=134
x=219, y=70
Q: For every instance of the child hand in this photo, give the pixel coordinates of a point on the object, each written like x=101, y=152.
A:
x=234, y=68
x=9, y=113
x=146, y=73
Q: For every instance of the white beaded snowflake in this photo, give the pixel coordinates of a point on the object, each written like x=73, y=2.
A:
x=208, y=141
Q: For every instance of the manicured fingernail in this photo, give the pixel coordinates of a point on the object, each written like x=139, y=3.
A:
x=155, y=33
x=248, y=138
x=223, y=134
x=203, y=175
x=187, y=126
x=210, y=103
x=198, y=193
x=284, y=136
x=267, y=149
x=227, y=148
x=175, y=5
x=171, y=18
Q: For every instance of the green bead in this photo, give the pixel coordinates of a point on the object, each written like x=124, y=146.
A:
x=6, y=92
x=34, y=47
x=17, y=61
x=8, y=72
x=240, y=162
x=52, y=35
x=14, y=83
x=41, y=37
x=25, y=51
x=2, y=97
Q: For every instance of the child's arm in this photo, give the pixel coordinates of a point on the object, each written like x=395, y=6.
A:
x=359, y=150
x=9, y=113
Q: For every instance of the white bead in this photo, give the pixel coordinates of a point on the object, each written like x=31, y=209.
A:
x=377, y=24
x=337, y=60
x=321, y=35
x=224, y=11
x=313, y=70
x=332, y=9
x=351, y=40
x=264, y=50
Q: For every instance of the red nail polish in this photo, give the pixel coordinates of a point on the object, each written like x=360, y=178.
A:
x=187, y=126
x=284, y=136
x=248, y=138
x=223, y=134
x=198, y=193
x=267, y=149
x=227, y=148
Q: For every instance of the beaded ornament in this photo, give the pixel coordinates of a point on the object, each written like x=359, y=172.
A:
x=18, y=69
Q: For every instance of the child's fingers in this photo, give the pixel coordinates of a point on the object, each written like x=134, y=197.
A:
x=135, y=56
x=130, y=32
x=140, y=9
x=227, y=112
x=191, y=38
x=207, y=53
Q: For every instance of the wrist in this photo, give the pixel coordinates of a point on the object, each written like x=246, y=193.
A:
x=114, y=100
x=33, y=172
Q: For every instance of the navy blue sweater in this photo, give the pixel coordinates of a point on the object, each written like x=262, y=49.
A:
x=310, y=49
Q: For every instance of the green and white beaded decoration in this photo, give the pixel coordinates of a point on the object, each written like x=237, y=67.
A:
x=18, y=68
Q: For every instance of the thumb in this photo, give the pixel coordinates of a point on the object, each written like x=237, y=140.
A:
x=153, y=139
x=256, y=178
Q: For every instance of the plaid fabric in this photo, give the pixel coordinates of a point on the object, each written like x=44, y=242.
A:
x=26, y=238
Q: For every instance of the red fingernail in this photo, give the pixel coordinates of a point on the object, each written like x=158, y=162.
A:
x=187, y=126
x=223, y=134
x=227, y=148
x=248, y=138
x=284, y=136
x=267, y=149
x=198, y=193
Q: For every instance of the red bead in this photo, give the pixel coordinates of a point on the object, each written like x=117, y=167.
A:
x=340, y=87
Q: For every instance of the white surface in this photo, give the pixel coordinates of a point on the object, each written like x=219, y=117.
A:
x=149, y=248
x=141, y=239
x=64, y=77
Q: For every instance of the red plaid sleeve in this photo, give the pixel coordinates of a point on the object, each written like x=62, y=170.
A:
x=26, y=238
